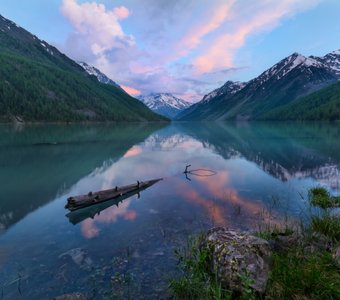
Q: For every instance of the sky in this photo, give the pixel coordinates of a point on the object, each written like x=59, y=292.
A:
x=183, y=47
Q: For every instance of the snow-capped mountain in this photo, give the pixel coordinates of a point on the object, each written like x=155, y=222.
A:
x=308, y=66
x=164, y=104
x=332, y=61
x=230, y=87
x=202, y=108
x=293, y=77
x=95, y=72
x=285, y=66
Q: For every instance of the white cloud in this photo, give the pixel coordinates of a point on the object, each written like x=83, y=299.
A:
x=173, y=40
x=99, y=27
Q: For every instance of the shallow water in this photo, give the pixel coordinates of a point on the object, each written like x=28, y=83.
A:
x=263, y=172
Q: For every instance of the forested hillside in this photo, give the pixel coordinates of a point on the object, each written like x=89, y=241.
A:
x=323, y=105
x=39, y=83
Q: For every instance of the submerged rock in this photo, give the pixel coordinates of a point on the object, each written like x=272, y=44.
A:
x=239, y=260
x=74, y=296
x=79, y=257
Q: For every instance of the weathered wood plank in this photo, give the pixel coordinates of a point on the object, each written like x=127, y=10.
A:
x=91, y=198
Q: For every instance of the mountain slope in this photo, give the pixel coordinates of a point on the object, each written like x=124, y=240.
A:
x=332, y=61
x=39, y=83
x=101, y=77
x=165, y=104
x=291, y=78
x=323, y=105
x=211, y=101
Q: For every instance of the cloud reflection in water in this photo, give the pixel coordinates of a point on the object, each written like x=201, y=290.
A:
x=217, y=196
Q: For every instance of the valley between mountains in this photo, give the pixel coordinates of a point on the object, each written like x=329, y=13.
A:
x=39, y=83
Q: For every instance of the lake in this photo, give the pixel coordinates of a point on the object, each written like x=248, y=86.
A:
x=248, y=174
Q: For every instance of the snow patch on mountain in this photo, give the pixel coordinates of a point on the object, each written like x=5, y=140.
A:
x=230, y=87
x=332, y=60
x=164, y=104
x=286, y=65
x=293, y=77
x=329, y=63
x=95, y=72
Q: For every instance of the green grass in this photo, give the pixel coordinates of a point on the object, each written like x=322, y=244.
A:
x=195, y=281
x=301, y=271
x=320, y=197
x=272, y=233
x=296, y=275
x=327, y=225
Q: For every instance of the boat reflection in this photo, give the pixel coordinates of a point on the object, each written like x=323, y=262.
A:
x=82, y=214
x=73, y=152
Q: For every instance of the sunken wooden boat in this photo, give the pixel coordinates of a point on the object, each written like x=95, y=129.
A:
x=93, y=198
x=79, y=215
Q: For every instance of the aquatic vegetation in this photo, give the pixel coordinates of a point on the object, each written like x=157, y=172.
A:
x=196, y=282
x=273, y=232
x=320, y=197
x=305, y=261
x=327, y=225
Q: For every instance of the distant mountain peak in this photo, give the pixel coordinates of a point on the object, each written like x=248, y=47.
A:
x=286, y=65
x=165, y=104
x=307, y=61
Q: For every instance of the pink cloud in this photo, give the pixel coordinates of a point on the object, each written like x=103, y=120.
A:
x=268, y=16
x=195, y=35
x=190, y=97
x=121, y=12
x=89, y=227
x=134, y=151
x=130, y=90
x=143, y=68
x=181, y=43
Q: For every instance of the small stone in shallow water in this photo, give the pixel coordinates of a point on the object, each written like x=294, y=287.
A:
x=79, y=256
x=73, y=296
x=135, y=254
x=158, y=253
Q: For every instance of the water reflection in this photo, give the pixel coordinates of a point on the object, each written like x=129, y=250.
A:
x=236, y=154
x=262, y=170
x=284, y=150
x=37, y=163
x=79, y=215
x=110, y=215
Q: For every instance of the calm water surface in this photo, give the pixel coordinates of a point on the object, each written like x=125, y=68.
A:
x=263, y=172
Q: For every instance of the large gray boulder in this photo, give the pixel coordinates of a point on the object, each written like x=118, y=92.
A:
x=239, y=259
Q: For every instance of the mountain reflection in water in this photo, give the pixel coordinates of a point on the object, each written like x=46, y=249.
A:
x=40, y=162
x=263, y=172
